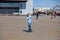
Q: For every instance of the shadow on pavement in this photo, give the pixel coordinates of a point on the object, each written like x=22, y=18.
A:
x=27, y=31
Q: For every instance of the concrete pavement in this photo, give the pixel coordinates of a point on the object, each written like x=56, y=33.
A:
x=11, y=28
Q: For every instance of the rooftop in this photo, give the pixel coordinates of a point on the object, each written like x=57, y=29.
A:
x=13, y=0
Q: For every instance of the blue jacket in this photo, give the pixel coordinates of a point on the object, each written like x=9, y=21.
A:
x=29, y=19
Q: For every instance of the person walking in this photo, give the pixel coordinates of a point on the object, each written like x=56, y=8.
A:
x=51, y=15
x=29, y=22
x=37, y=14
x=54, y=14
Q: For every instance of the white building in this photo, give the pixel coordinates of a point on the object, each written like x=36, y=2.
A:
x=42, y=9
x=29, y=7
x=21, y=7
x=57, y=8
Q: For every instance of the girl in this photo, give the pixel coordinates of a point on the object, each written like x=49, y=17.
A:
x=29, y=22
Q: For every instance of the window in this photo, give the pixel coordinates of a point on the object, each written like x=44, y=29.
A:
x=20, y=6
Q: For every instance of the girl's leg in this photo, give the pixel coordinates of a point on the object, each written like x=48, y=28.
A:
x=29, y=27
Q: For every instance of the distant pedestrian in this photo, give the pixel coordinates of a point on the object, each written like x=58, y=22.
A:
x=51, y=15
x=37, y=15
x=29, y=22
x=54, y=14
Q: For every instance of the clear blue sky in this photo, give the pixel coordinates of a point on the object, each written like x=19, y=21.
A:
x=45, y=3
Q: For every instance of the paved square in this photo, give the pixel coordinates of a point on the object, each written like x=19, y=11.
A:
x=11, y=28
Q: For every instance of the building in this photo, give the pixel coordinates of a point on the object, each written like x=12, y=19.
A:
x=42, y=9
x=57, y=8
x=21, y=7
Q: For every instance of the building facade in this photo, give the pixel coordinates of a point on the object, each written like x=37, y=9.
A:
x=57, y=8
x=21, y=7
